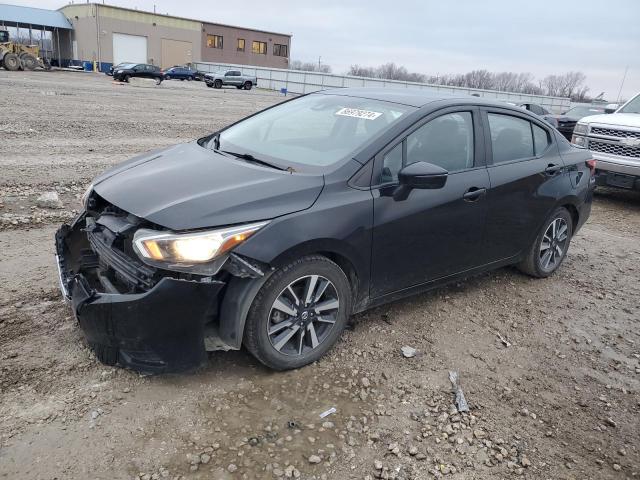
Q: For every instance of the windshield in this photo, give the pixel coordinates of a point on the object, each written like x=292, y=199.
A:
x=315, y=130
x=126, y=65
x=633, y=106
x=580, y=112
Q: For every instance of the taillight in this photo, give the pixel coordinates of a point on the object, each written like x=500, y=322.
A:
x=592, y=166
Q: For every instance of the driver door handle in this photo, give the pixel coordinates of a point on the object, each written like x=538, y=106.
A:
x=474, y=193
x=552, y=168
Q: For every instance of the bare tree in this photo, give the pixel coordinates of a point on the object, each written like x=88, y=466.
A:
x=309, y=66
x=566, y=85
x=570, y=84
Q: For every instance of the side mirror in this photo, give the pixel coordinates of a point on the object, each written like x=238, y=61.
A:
x=423, y=175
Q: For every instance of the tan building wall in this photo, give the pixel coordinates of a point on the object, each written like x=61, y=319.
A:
x=168, y=38
x=88, y=19
x=229, y=52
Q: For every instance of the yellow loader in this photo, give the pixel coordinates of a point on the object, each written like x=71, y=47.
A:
x=15, y=56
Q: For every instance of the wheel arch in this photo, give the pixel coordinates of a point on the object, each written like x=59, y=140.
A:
x=571, y=203
x=241, y=292
x=575, y=215
x=340, y=253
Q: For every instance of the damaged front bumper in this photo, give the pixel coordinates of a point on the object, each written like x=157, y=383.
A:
x=131, y=316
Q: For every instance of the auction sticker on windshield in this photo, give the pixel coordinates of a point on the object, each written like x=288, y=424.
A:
x=356, y=113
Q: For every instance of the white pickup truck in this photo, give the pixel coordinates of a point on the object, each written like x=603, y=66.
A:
x=614, y=141
x=230, y=77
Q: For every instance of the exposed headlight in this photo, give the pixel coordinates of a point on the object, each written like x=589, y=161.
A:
x=580, y=141
x=119, y=71
x=581, y=128
x=85, y=196
x=195, y=252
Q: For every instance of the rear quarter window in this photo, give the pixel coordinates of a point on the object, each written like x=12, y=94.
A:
x=541, y=139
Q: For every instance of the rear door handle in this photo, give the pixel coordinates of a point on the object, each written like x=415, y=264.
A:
x=474, y=193
x=552, y=168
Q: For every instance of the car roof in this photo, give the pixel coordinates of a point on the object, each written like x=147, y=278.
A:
x=413, y=97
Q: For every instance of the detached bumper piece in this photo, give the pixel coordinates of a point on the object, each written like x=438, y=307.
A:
x=157, y=327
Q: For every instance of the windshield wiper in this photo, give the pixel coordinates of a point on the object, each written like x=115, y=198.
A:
x=250, y=158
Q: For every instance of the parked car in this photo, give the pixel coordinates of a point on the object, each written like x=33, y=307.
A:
x=179, y=73
x=614, y=140
x=271, y=232
x=199, y=76
x=541, y=112
x=125, y=71
x=230, y=77
x=116, y=67
x=567, y=121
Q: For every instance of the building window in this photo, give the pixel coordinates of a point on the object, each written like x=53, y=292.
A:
x=241, y=44
x=214, y=41
x=259, y=47
x=280, y=50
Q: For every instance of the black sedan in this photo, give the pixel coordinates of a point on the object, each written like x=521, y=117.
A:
x=567, y=121
x=272, y=232
x=123, y=72
x=116, y=67
x=179, y=73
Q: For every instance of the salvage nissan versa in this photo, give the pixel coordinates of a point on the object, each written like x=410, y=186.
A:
x=271, y=232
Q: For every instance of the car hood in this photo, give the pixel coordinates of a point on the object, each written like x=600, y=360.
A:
x=616, y=119
x=187, y=186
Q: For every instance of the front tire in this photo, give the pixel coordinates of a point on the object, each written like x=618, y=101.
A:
x=29, y=62
x=217, y=84
x=126, y=78
x=299, y=313
x=550, y=247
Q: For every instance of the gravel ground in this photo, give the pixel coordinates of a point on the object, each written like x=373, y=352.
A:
x=561, y=401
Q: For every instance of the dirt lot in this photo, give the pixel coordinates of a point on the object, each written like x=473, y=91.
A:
x=561, y=401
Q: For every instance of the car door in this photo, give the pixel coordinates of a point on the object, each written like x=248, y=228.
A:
x=527, y=178
x=430, y=234
x=229, y=78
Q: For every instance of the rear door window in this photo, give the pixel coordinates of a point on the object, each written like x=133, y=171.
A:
x=511, y=138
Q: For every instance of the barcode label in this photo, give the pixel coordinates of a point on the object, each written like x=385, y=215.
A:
x=356, y=113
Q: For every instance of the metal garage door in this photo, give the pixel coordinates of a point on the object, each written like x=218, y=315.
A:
x=175, y=52
x=129, y=48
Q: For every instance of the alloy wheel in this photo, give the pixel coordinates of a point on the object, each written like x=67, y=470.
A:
x=303, y=315
x=553, y=244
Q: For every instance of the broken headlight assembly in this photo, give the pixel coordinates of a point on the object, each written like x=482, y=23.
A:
x=200, y=252
x=85, y=196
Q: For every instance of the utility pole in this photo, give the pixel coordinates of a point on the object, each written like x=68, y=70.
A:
x=319, y=63
x=624, y=77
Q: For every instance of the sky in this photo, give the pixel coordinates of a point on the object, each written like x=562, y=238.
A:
x=599, y=38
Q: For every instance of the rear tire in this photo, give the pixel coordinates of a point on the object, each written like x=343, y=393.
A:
x=550, y=246
x=313, y=327
x=29, y=62
x=158, y=81
x=11, y=62
x=247, y=85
